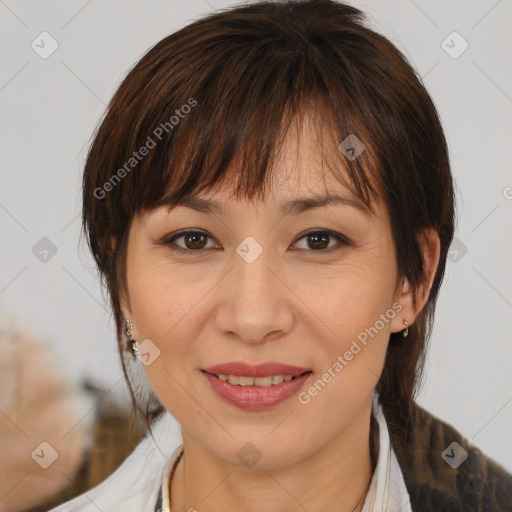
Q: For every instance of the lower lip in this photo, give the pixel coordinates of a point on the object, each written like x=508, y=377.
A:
x=256, y=397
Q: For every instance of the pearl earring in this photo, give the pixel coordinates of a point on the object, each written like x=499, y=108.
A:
x=134, y=344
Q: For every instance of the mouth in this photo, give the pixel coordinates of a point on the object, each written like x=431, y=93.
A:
x=262, y=382
x=256, y=387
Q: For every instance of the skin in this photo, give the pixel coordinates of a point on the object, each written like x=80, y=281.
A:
x=296, y=304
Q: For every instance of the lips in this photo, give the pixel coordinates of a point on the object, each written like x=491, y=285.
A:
x=260, y=370
x=254, y=397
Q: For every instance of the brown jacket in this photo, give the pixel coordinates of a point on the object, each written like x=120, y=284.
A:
x=479, y=484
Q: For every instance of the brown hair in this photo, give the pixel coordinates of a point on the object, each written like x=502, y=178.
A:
x=225, y=89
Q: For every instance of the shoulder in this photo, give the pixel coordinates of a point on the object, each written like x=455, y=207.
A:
x=443, y=471
x=136, y=482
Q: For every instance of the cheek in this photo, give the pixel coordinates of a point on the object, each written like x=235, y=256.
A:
x=164, y=298
x=351, y=297
x=351, y=354
x=167, y=309
x=356, y=346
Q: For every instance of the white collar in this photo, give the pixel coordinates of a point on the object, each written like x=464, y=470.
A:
x=136, y=483
x=387, y=490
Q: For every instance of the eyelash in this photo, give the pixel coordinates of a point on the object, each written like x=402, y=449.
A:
x=343, y=241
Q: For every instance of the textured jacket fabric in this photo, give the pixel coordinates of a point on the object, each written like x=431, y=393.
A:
x=478, y=484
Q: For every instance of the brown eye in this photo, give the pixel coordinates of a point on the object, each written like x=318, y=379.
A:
x=319, y=240
x=193, y=241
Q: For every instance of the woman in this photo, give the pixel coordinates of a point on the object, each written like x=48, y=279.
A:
x=270, y=204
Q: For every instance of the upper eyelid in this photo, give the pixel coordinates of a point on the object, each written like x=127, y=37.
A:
x=171, y=238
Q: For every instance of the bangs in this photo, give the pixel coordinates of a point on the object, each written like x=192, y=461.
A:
x=248, y=159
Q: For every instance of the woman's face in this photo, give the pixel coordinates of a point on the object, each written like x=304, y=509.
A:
x=265, y=284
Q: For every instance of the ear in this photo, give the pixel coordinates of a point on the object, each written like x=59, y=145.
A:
x=125, y=306
x=124, y=303
x=124, y=300
x=413, y=300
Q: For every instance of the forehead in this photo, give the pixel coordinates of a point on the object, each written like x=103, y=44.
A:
x=293, y=187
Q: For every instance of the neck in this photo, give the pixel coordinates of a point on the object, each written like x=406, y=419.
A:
x=333, y=478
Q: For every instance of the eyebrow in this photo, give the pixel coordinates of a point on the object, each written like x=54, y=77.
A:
x=291, y=207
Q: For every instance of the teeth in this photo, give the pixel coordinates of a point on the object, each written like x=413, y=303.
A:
x=241, y=380
x=277, y=379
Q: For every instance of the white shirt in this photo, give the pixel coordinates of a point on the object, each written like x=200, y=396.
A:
x=135, y=486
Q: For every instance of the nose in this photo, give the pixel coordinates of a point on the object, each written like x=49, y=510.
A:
x=257, y=305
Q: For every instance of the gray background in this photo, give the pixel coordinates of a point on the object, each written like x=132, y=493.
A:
x=50, y=108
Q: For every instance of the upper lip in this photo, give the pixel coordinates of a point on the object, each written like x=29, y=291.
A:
x=258, y=370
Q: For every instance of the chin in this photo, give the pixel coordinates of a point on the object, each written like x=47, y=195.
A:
x=260, y=453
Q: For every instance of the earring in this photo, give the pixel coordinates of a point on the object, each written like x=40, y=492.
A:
x=405, y=333
x=134, y=344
